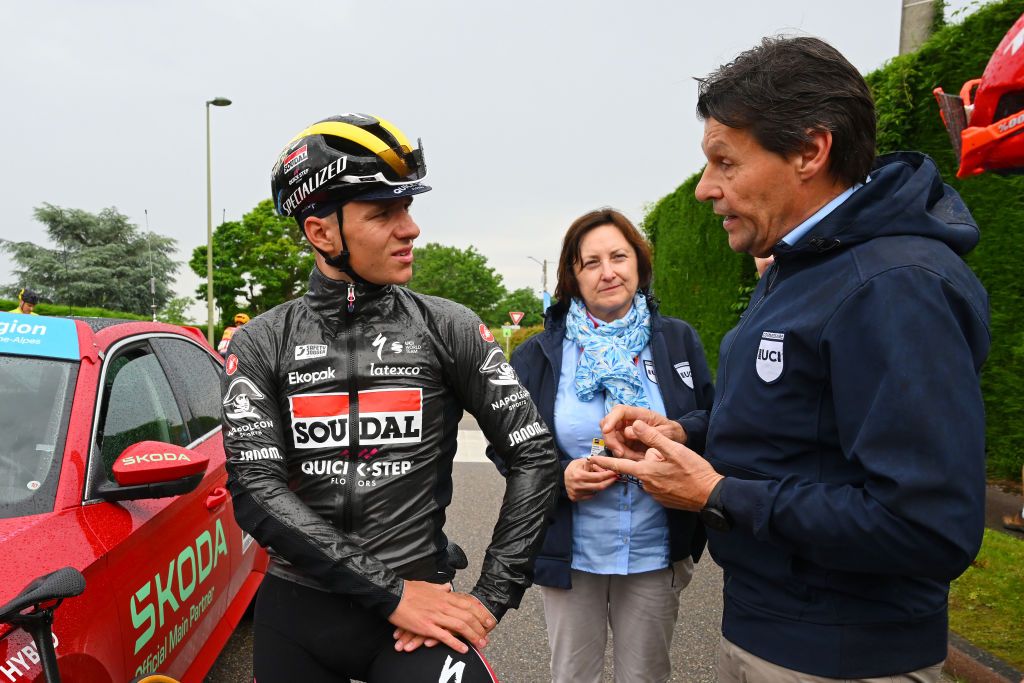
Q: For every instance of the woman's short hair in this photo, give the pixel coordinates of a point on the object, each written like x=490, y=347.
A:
x=567, y=286
x=785, y=87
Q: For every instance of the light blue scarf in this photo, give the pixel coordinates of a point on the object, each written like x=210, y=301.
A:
x=608, y=352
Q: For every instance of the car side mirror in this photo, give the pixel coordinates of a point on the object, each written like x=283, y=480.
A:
x=154, y=469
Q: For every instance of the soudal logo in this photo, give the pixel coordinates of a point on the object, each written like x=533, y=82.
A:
x=526, y=433
x=511, y=401
x=310, y=351
x=310, y=377
x=268, y=453
x=295, y=158
x=231, y=365
x=155, y=457
x=386, y=416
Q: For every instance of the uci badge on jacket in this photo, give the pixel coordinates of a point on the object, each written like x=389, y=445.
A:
x=769, y=356
x=683, y=370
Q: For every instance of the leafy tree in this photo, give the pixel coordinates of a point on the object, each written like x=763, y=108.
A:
x=525, y=300
x=100, y=260
x=262, y=261
x=461, y=275
x=174, y=311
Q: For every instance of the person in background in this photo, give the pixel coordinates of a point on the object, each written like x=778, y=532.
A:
x=27, y=300
x=843, y=480
x=225, y=341
x=612, y=556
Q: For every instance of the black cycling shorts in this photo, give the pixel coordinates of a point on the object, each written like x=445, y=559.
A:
x=304, y=634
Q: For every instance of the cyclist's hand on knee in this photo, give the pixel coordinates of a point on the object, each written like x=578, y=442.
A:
x=433, y=611
x=408, y=641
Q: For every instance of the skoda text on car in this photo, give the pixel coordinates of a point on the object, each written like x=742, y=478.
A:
x=112, y=463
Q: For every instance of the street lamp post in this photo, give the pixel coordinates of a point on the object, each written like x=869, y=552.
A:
x=545, y=295
x=217, y=102
x=543, y=265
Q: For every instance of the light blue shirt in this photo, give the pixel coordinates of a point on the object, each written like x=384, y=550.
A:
x=621, y=530
x=794, y=235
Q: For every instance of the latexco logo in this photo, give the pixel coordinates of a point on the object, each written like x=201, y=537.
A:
x=386, y=416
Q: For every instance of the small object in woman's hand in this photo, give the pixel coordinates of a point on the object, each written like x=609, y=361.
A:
x=597, y=448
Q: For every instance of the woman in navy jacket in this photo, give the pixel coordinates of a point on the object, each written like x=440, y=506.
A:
x=612, y=554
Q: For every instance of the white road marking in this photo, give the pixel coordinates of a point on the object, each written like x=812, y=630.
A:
x=471, y=446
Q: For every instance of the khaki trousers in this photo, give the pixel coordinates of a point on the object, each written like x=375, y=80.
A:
x=736, y=665
x=641, y=610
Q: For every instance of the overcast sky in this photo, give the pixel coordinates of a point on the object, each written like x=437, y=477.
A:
x=531, y=113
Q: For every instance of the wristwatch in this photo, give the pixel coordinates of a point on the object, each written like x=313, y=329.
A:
x=713, y=514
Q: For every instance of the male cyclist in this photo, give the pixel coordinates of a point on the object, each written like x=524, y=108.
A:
x=229, y=331
x=27, y=300
x=340, y=423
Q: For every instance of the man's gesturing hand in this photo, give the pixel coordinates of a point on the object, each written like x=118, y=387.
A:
x=621, y=439
x=431, y=611
x=674, y=475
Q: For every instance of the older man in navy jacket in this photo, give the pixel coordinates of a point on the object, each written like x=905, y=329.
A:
x=845, y=478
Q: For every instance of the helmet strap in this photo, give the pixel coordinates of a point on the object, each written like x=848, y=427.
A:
x=341, y=261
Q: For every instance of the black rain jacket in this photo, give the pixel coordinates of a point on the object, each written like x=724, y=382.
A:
x=356, y=511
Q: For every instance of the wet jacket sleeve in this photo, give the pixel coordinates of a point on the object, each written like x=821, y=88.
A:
x=490, y=390
x=908, y=411
x=265, y=507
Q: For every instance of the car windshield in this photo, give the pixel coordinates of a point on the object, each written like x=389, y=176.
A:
x=35, y=402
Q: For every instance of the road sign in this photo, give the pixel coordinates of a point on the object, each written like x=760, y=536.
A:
x=506, y=331
x=516, y=316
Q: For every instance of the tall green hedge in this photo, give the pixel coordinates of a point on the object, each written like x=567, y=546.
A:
x=80, y=311
x=698, y=278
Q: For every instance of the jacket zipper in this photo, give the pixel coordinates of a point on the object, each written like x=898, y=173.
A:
x=719, y=400
x=353, y=413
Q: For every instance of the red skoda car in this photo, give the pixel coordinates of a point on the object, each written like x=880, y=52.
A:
x=112, y=463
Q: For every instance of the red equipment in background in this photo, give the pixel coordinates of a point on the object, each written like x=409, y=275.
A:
x=986, y=120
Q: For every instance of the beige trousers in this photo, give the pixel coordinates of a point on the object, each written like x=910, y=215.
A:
x=641, y=610
x=736, y=665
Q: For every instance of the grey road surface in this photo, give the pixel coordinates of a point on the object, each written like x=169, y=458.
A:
x=519, y=650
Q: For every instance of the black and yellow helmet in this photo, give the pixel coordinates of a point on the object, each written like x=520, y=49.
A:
x=345, y=157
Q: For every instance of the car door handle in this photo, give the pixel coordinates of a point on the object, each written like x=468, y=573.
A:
x=216, y=498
